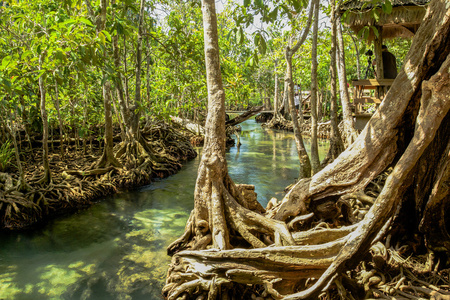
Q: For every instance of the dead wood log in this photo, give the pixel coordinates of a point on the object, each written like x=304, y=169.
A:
x=244, y=116
x=195, y=128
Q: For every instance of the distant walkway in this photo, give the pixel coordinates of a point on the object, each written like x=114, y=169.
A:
x=243, y=111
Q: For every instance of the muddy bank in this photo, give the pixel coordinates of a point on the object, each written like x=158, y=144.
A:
x=75, y=184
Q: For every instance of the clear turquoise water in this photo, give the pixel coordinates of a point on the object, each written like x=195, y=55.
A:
x=116, y=248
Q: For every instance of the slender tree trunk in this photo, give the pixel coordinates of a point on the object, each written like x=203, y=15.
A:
x=349, y=129
x=25, y=120
x=108, y=157
x=285, y=103
x=85, y=118
x=47, y=175
x=21, y=185
x=125, y=70
x=358, y=57
x=275, y=96
x=109, y=144
x=117, y=112
x=336, y=144
x=149, y=58
x=11, y=130
x=301, y=118
x=123, y=103
x=59, y=119
x=377, y=45
x=305, y=164
x=315, y=162
x=134, y=110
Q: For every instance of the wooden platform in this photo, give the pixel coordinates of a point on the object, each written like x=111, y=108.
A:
x=368, y=91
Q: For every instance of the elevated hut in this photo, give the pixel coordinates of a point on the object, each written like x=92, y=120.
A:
x=402, y=21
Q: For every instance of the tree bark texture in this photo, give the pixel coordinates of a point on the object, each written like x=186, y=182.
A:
x=315, y=162
x=276, y=92
x=47, y=175
x=349, y=134
x=336, y=144
x=305, y=163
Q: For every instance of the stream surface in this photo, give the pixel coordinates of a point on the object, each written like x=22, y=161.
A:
x=116, y=249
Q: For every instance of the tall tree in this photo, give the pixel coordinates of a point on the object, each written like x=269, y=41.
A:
x=305, y=163
x=108, y=158
x=315, y=162
x=47, y=174
x=219, y=205
x=336, y=145
x=349, y=132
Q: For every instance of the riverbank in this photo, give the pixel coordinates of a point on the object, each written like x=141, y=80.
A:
x=75, y=184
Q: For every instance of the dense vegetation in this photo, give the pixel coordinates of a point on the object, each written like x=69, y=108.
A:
x=90, y=90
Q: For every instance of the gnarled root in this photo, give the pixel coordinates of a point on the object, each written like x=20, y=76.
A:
x=284, y=268
x=245, y=221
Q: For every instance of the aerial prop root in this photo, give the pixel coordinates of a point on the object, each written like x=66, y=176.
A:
x=244, y=221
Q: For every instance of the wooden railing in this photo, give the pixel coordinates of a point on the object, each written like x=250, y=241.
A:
x=362, y=93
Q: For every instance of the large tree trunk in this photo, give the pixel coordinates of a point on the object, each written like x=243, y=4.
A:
x=406, y=132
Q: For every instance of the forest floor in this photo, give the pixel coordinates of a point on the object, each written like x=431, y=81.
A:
x=74, y=183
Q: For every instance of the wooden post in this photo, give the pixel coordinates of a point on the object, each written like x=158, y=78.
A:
x=378, y=42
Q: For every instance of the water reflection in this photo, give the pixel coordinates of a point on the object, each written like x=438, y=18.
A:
x=116, y=248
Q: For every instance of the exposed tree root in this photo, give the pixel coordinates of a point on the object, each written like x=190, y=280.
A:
x=78, y=186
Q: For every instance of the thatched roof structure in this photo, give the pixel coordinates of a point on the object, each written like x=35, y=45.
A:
x=403, y=21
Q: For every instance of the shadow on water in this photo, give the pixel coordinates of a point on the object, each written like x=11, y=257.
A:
x=116, y=248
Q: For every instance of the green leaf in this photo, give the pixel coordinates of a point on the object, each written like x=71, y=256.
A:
x=240, y=36
x=257, y=38
x=375, y=31
x=273, y=14
x=86, y=21
x=259, y=3
x=5, y=62
x=297, y=5
x=364, y=33
x=262, y=46
x=247, y=3
x=376, y=16
x=387, y=6
x=107, y=35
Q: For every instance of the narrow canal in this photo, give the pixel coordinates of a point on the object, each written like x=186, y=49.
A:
x=116, y=248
